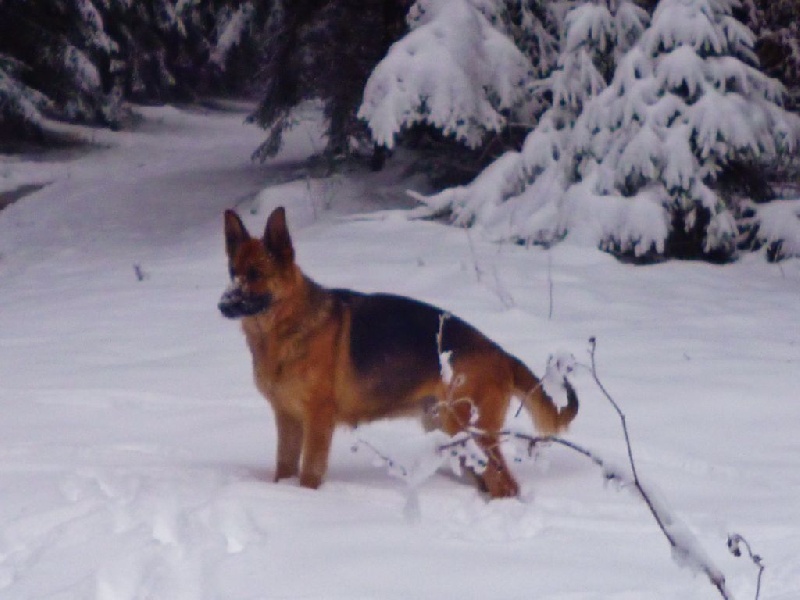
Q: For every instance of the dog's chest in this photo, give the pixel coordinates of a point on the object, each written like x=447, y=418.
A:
x=291, y=369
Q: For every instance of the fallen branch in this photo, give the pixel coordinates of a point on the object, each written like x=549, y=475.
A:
x=684, y=547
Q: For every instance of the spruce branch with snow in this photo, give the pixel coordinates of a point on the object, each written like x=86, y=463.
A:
x=20, y=106
x=230, y=29
x=778, y=41
x=55, y=49
x=773, y=227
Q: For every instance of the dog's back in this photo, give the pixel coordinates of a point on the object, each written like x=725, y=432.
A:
x=394, y=342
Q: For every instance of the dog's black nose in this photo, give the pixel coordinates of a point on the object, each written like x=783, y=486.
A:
x=228, y=310
x=230, y=305
x=235, y=304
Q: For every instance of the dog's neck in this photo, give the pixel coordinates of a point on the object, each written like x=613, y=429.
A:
x=279, y=336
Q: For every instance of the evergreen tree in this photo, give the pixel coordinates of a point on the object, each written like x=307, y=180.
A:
x=465, y=84
x=172, y=50
x=519, y=195
x=235, y=34
x=325, y=50
x=79, y=60
x=632, y=166
x=685, y=103
x=775, y=23
x=57, y=48
x=21, y=107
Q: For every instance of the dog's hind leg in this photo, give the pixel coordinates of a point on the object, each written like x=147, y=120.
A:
x=483, y=391
x=496, y=476
x=290, y=444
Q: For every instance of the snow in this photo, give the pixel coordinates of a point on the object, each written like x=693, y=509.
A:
x=136, y=456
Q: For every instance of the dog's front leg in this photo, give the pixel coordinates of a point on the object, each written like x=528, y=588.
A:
x=317, y=437
x=290, y=444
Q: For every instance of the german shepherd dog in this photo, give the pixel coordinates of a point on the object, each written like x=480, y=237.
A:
x=323, y=357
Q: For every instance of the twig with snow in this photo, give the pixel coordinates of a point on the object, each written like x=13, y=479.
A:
x=735, y=542
x=550, y=283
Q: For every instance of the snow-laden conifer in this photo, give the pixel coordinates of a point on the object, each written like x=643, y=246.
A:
x=322, y=51
x=519, y=196
x=685, y=102
x=454, y=70
x=79, y=60
x=635, y=170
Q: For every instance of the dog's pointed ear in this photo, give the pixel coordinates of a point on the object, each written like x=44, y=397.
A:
x=277, y=240
x=235, y=233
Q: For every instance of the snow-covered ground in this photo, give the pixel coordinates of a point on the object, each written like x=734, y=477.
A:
x=136, y=456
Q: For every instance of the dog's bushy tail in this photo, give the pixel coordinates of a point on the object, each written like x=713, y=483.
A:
x=548, y=418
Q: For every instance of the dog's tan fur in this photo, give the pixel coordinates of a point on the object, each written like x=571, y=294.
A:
x=323, y=357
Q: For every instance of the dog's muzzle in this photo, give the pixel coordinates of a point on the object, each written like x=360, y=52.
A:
x=235, y=303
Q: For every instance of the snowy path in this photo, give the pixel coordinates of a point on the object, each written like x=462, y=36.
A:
x=136, y=455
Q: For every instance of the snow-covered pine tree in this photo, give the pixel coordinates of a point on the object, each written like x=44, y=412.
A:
x=533, y=26
x=775, y=226
x=636, y=172
x=78, y=60
x=233, y=28
x=684, y=103
x=59, y=49
x=519, y=196
x=237, y=30
x=159, y=43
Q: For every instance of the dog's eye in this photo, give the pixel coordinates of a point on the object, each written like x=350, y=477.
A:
x=252, y=275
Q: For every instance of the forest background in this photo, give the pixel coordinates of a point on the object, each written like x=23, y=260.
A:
x=650, y=129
